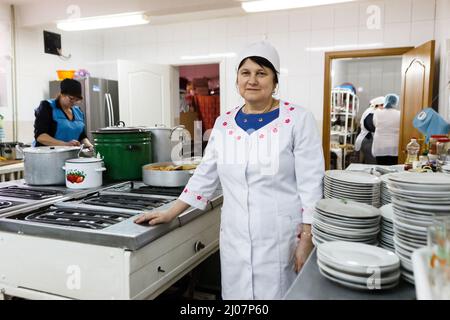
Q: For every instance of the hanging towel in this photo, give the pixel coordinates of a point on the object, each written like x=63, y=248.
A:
x=429, y=122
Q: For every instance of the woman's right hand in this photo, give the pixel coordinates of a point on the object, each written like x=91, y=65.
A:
x=155, y=217
x=73, y=143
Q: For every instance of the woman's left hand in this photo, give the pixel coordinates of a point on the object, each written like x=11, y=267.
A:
x=304, y=248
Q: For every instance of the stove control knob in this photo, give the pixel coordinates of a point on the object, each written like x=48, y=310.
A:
x=198, y=246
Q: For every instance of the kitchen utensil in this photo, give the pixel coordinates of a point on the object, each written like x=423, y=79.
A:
x=84, y=173
x=43, y=165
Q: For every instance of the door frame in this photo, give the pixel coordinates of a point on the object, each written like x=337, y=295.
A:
x=222, y=71
x=329, y=57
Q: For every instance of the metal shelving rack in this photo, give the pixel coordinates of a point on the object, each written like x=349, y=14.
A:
x=344, y=104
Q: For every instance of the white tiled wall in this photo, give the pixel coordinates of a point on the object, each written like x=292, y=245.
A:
x=295, y=33
x=5, y=72
x=35, y=68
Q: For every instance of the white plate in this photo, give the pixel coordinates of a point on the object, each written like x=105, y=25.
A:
x=426, y=194
x=352, y=177
x=411, y=228
x=348, y=220
x=346, y=231
x=350, y=209
x=362, y=279
x=434, y=178
x=387, y=212
x=425, y=207
x=357, y=279
x=331, y=237
x=354, y=285
x=357, y=254
x=421, y=199
x=357, y=270
x=408, y=277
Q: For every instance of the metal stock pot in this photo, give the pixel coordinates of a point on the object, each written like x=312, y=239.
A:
x=174, y=178
x=44, y=165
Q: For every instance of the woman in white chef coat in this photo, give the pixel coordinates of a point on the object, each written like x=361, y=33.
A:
x=364, y=139
x=267, y=155
x=387, y=127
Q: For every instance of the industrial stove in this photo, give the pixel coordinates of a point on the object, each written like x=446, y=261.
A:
x=87, y=246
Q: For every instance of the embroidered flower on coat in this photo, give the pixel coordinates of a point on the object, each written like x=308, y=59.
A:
x=225, y=124
x=287, y=120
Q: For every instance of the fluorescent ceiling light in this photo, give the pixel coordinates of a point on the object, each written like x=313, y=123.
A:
x=272, y=5
x=103, y=22
x=209, y=56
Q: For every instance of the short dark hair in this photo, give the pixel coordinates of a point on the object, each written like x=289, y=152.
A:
x=262, y=62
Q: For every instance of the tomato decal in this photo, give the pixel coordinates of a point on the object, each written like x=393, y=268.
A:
x=75, y=176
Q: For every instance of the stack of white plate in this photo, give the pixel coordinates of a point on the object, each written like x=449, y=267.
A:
x=358, y=265
x=352, y=185
x=387, y=227
x=446, y=168
x=345, y=220
x=385, y=194
x=415, y=198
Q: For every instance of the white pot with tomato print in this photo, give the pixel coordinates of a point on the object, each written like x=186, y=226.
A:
x=84, y=173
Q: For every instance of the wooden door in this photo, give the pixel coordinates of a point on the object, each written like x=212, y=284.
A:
x=146, y=93
x=417, y=91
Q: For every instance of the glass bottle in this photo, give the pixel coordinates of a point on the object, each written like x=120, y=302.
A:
x=412, y=148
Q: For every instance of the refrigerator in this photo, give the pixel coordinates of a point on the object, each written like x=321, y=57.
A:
x=100, y=102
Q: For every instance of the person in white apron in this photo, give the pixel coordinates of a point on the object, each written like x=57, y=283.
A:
x=267, y=155
x=364, y=139
x=387, y=128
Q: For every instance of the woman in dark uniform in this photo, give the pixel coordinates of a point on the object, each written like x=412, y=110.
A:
x=59, y=122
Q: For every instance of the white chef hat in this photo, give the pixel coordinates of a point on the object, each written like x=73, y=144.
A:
x=260, y=49
x=377, y=101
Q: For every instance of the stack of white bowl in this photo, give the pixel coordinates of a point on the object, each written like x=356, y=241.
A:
x=385, y=194
x=416, y=197
x=345, y=220
x=387, y=227
x=352, y=185
x=358, y=266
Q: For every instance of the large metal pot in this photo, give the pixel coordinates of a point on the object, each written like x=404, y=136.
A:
x=44, y=165
x=162, y=144
x=176, y=178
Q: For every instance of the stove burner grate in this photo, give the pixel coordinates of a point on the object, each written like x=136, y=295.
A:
x=126, y=202
x=5, y=204
x=162, y=191
x=77, y=218
x=28, y=193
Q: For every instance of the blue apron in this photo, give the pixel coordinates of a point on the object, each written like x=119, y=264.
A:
x=66, y=129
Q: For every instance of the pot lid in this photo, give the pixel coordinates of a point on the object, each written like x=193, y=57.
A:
x=50, y=149
x=84, y=160
x=115, y=129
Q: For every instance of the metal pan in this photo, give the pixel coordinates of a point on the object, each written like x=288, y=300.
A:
x=157, y=178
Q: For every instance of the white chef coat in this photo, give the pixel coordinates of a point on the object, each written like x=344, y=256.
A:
x=271, y=180
x=387, y=128
x=364, y=132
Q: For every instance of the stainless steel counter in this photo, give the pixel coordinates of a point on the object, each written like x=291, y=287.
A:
x=311, y=285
